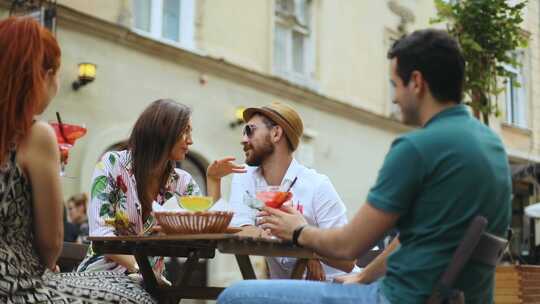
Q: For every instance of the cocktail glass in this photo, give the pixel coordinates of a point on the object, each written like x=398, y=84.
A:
x=66, y=136
x=273, y=196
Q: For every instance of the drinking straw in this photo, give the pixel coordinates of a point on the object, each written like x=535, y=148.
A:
x=61, y=127
x=292, y=184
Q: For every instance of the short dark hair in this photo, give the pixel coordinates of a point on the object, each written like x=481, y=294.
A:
x=437, y=56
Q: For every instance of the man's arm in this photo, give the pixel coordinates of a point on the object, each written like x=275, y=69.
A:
x=352, y=240
x=374, y=270
x=343, y=265
x=348, y=242
x=392, y=195
x=330, y=212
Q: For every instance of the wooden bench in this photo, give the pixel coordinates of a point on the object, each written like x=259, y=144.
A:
x=72, y=254
x=517, y=284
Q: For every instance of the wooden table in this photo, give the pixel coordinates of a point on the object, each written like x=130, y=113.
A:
x=195, y=247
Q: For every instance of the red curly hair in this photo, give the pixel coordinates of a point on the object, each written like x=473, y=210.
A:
x=27, y=52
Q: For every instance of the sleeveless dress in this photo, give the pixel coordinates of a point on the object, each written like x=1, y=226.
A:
x=24, y=279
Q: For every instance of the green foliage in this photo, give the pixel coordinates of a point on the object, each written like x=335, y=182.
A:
x=487, y=30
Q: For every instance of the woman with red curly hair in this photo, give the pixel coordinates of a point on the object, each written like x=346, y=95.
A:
x=31, y=227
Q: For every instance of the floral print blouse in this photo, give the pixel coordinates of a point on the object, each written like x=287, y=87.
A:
x=114, y=207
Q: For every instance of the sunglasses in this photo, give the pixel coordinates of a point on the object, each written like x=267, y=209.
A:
x=249, y=130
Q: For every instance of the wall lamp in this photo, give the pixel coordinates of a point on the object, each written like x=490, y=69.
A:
x=238, y=117
x=87, y=74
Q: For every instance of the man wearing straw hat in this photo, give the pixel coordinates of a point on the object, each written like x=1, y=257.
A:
x=271, y=135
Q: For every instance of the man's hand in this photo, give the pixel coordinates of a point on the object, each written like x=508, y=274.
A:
x=315, y=271
x=282, y=222
x=358, y=278
x=254, y=232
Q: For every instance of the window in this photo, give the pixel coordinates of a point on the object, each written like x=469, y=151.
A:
x=516, y=104
x=171, y=21
x=293, y=43
x=44, y=13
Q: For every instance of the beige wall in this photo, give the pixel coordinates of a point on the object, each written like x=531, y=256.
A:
x=351, y=40
x=238, y=31
x=350, y=60
x=129, y=80
x=113, y=11
x=354, y=38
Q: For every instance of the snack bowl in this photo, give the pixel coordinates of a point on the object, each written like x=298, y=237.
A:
x=182, y=222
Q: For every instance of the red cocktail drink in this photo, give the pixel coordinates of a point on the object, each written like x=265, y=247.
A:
x=66, y=135
x=70, y=131
x=273, y=199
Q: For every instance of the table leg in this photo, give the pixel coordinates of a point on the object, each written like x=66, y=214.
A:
x=299, y=269
x=245, y=267
x=147, y=273
x=187, y=270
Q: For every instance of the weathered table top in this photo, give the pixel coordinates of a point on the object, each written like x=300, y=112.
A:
x=194, y=247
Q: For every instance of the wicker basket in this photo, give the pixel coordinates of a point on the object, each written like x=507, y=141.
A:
x=181, y=222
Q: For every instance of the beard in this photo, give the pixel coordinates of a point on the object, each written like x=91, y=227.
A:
x=410, y=115
x=259, y=154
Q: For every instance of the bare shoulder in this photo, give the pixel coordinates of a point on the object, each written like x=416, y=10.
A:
x=41, y=141
x=41, y=133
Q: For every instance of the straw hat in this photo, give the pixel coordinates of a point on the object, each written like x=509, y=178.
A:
x=283, y=115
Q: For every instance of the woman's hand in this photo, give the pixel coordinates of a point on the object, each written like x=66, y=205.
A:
x=56, y=269
x=223, y=167
x=282, y=222
x=156, y=229
x=217, y=170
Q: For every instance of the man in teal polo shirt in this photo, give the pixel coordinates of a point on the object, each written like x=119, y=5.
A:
x=433, y=182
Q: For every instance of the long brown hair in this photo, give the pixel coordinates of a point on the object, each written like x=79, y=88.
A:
x=154, y=135
x=27, y=52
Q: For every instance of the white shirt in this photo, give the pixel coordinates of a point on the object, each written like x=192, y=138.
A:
x=322, y=207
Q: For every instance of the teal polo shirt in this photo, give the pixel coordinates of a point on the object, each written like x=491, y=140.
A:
x=438, y=178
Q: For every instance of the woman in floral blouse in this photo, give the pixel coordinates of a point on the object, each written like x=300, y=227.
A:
x=125, y=183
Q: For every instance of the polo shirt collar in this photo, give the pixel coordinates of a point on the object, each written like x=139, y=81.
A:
x=457, y=110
